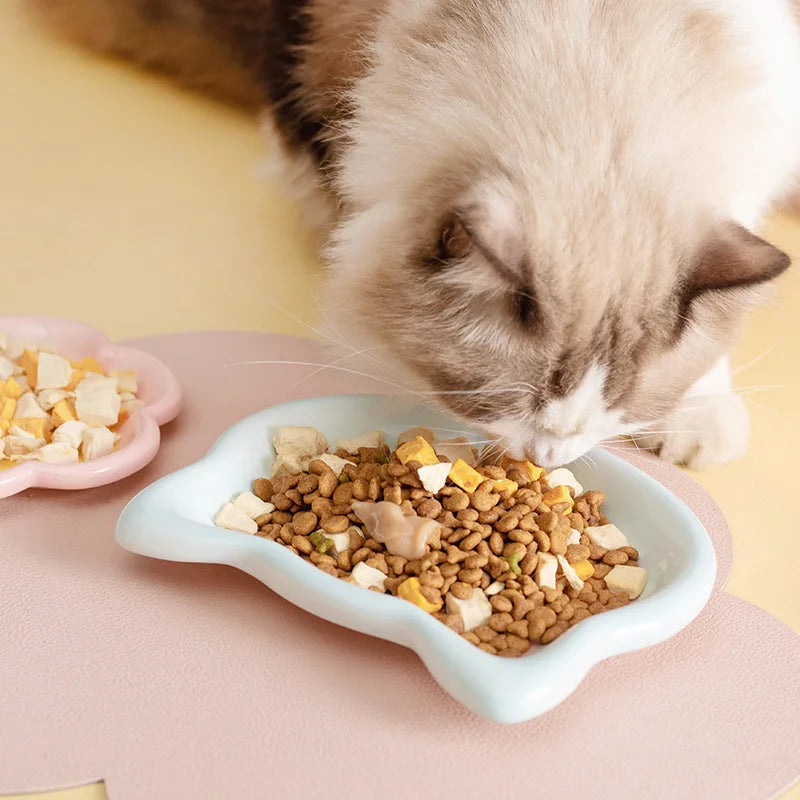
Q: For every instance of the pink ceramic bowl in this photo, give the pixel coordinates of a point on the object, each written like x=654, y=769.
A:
x=140, y=435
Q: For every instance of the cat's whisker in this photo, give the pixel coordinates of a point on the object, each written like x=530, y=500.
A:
x=754, y=361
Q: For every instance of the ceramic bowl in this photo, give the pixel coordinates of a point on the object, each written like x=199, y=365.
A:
x=172, y=519
x=139, y=436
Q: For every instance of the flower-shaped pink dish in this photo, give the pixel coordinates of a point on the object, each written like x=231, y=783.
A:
x=139, y=436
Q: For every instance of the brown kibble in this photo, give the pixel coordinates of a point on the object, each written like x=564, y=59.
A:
x=305, y=522
x=262, y=489
x=432, y=577
x=470, y=542
x=489, y=517
x=596, y=553
x=476, y=562
x=500, y=603
x=397, y=564
x=264, y=519
x=374, y=489
x=344, y=560
x=360, y=555
x=519, y=628
x=577, y=552
x=457, y=501
x=455, y=555
x=454, y=622
x=287, y=533
x=343, y=494
x=378, y=561
x=601, y=570
x=558, y=541
x=461, y=590
x=542, y=541
x=472, y=637
x=595, y=498
x=322, y=558
x=307, y=484
x=515, y=549
x=528, y=563
x=483, y=501
x=496, y=543
x=302, y=545
x=614, y=557
x=523, y=537
x=507, y=522
x=579, y=615
x=281, y=502
x=500, y=622
x=393, y=494
x=553, y=632
x=327, y=483
x=356, y=538
x=471, y=576
x=631, y=552
x=485, y=634
x=449, y=570
x=566, y=613
x=467, y=515
x=335, y=524
x=547, y=521
x=430, y=507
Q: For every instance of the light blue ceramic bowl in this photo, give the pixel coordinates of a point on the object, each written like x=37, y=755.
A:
x=172, y=520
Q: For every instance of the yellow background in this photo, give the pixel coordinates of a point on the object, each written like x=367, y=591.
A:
x=140, y=209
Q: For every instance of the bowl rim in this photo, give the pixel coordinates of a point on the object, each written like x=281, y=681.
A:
x=145, y=440
x=502, y=690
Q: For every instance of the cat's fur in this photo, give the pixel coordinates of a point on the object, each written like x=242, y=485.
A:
x=540, y=208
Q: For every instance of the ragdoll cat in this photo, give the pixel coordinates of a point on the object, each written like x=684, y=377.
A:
x=541, y=211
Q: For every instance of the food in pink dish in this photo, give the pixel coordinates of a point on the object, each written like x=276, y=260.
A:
x=75, y=410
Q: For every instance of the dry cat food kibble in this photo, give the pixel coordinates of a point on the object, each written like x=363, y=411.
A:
x=59, y=411
x=504, y=554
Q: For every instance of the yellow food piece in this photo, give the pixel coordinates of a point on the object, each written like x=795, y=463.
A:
x=90, y=364
x=506, y=485
x=36, y=426
x=63, y=411
x=10, y=388
x=5, y=463
x=8, y=405
x=559, y=495
x=463, y=475
x=411, y=590
x=29, y=361
x=77, y=376
x=584, y=569
x=5, y=424
x=418, y=449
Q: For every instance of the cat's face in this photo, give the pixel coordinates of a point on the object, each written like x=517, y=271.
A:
x=538, y=207
x=551, y=339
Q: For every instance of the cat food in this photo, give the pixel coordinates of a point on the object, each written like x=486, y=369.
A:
x=59, y=411
x=504, y=554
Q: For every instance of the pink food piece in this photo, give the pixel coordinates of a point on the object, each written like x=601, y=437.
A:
x=402, y=535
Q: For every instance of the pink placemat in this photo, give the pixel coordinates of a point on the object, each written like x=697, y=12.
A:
x=191, y=681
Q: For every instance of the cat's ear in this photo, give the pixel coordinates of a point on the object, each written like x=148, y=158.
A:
x=733, y=258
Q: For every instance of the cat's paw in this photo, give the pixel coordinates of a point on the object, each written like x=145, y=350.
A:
x=705, y=431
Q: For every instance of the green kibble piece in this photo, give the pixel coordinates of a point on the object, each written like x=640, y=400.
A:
x=320, y=541
x=513, y=563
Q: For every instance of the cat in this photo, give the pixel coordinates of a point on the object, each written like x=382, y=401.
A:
x=539, y=211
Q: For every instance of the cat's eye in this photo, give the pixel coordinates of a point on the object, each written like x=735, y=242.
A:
x=524, y=306
x=454, y=241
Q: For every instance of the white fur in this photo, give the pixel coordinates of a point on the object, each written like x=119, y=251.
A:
x=567, y=427
x=711, y=426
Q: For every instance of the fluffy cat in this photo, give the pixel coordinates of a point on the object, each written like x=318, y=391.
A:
x=540, y=210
